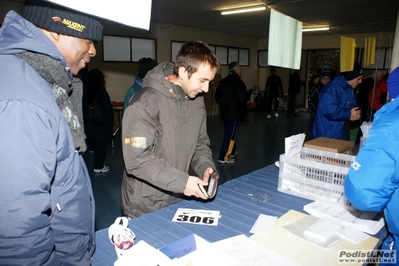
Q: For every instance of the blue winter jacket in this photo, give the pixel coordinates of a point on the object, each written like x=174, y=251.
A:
x=337, y=98
x=46, y=199
x=372, y=183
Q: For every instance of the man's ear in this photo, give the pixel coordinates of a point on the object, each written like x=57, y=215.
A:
x=54, y=35
x=182, y=72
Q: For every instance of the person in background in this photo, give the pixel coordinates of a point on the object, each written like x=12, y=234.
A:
x=337, y=105
x=273, y=91
x=99, y=131
x=164, y=133
x=334, y=73
x=378, y=96
x=372, y=183
x=145, y=64
x=231, y=96
x=47, y=206
x=362, y=98
x=294, y=88
x=314, y=94
x=312, y=81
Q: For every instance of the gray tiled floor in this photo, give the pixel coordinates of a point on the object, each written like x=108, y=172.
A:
x=260, y=141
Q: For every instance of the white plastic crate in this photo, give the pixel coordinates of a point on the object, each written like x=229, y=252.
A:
x=316, y=175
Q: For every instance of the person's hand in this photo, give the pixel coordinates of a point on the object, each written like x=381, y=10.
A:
x=207, y=174
x=192, y=188
x=355, y=114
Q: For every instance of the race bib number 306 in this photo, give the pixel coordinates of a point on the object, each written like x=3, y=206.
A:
x=203, y=217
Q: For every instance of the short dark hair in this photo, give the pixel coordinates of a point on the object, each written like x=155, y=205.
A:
x=233, y=66
x=192, y=54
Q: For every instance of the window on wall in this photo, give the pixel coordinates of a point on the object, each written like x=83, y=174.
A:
x=382, y=59
x=325, y=59
x=127, y=49
x=175, y=49
x=225, y=54
x=143, y=48
x=262, y=58
x=116, y=49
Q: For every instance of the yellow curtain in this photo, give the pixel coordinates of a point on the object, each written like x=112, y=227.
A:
x=369, y=51
x=347, y=58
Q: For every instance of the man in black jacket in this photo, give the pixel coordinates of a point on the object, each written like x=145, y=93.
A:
x=274, y=91
x=294, y=88
x=232, y=100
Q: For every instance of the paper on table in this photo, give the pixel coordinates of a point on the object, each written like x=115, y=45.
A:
x=352, y=234
x=323, y=231
x=263, y=224
x=144, y=255
x=192, y=216
x=367, y=222
x=302, y=251
x=205, y=254
x=293, y=145
x=251, y=253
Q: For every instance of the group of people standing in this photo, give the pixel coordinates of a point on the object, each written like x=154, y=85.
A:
x=47, y=204
x=347, y=97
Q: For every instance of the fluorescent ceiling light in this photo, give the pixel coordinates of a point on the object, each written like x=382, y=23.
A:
x=114, y=10
x=315, y=29
x=242, y=10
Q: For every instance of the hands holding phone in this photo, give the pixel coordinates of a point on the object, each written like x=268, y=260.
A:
x=202, y=188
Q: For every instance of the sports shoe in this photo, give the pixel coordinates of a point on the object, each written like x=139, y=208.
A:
x=229, y=161
x=276, y=114
x=233, y=154
x=102, y=170
x=268, y=116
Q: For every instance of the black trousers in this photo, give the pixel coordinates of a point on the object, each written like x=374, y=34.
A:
x=291, y=102
x=229, y=139
x=99, y=149
x=270, y=100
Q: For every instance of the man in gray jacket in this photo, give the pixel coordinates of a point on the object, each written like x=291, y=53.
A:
x=164, y=133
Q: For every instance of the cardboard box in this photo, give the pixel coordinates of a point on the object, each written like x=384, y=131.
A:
x=332, y=145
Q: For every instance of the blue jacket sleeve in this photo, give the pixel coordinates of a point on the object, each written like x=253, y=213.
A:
x=27, y=165
x=371, y=180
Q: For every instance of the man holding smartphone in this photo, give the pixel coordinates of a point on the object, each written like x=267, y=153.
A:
x=164, y=133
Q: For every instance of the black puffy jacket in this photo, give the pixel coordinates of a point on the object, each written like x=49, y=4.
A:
x=231, y=97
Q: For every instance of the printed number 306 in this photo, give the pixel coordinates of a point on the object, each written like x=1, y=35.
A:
x=195, y=219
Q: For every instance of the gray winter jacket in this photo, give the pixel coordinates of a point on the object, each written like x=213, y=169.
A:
x=164, y=134
x=46, y=199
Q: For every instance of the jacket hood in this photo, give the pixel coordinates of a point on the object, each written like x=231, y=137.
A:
x=157, y=79
x=338, y=82
x=18, y=35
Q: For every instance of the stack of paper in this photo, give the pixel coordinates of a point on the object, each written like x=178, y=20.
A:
x=368, y=222
x=293, y=145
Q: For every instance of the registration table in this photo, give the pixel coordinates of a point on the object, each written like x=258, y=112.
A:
x=240, y=202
